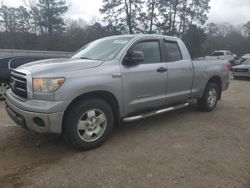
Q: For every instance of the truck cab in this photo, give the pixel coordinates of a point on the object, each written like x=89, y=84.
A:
x=153, y=81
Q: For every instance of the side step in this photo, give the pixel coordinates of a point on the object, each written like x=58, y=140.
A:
x=135, y=118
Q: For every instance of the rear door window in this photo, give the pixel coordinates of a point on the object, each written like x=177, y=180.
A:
x=173, y=52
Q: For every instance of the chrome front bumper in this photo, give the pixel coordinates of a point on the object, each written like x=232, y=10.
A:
x=241, y=74
x=42, y=122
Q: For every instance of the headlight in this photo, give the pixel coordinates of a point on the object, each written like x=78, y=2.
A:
x=47, y=85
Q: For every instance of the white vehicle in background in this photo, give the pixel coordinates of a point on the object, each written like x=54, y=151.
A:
x=242, y=70
x=223, y=55
x=244, y=57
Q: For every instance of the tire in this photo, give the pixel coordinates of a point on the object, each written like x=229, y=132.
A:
x=210, y=98
x=236, y=77
x=3, y=89
x=88, y=123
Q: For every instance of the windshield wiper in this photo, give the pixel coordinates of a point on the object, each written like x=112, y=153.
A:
x=85, y=58
x=89, y=58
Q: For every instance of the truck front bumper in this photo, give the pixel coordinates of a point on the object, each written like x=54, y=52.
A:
x=241, y=74
x=28, y=117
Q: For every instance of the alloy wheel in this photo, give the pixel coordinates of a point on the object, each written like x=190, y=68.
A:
x=92, y=125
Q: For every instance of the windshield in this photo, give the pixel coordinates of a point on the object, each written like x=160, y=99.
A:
x=103, y=49
x=246, y=62
x=218, y=53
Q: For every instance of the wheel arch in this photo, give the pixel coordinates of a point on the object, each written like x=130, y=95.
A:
x=105, y=95
x=217, y=80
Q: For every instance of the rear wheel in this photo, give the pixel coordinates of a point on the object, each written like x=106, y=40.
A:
x=3, y=89
x=88, y=124
x=210, y=98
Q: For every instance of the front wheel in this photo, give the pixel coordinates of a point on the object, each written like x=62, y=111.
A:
x=88, y=123
x=210, y=98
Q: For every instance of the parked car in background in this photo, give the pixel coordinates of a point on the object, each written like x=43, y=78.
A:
x=223, y=55
x=242, y=70
x=244, y=57
x=113, y=79
x=9, y=63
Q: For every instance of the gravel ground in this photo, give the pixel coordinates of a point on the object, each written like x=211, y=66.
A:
x=185, y=148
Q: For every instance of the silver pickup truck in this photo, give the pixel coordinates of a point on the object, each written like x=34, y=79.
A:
x=113, y=79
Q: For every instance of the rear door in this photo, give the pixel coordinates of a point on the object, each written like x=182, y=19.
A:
x=145, y=84
x=180, y=73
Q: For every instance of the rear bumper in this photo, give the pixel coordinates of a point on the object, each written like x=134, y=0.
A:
x=50, y=122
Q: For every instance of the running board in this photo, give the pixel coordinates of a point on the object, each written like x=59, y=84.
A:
x=135, y=118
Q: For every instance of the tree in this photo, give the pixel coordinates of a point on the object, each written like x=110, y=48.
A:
x=9, y=18
x=151, y=4
x=35, y=16
x=247, y=28
x=52, y=12
x=194, y=39
x=212, y=29
x=197, y=11
x=171, y=17
x=148, y=18
x=175, y=16
x=40, y=24
x=175, y=11
x=183, y=18
x=124, y=14
x=23, y=16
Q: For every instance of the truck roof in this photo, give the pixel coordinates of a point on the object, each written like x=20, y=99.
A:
x=222, y=51
x=144, y=36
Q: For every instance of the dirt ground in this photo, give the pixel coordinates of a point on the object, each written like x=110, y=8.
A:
x=185, y=148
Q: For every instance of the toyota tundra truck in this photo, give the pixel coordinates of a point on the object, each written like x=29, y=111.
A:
x=113, y=79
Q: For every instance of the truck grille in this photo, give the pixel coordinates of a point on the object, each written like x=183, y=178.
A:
x=18, y=83
x=240, y=70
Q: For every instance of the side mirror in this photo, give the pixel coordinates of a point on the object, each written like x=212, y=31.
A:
x=134, y=57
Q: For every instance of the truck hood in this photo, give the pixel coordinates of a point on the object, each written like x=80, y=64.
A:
x=59, y=65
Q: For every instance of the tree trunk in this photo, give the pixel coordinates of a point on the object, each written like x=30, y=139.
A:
x=128, y=15
x=179, y=29
x=170, y=16
x=184, y=18
x=152, y=16
x=174, y=19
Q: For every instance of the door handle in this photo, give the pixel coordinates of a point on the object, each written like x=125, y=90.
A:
x=162, y=70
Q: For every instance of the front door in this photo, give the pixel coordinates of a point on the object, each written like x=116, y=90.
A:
x=145, y=84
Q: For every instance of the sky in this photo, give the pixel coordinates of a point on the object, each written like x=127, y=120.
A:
x=230, y=11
